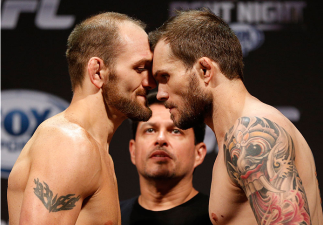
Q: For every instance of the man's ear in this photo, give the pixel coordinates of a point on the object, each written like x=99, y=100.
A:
x=132, y=150
x=205, y=69
x=200, y=152
x=96, y=70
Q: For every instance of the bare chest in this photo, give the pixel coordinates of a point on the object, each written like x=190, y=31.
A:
x=228, y=203
x=103, y=206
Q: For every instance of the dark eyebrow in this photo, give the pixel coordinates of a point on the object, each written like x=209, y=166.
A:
x=159, y=72
x=146, y=62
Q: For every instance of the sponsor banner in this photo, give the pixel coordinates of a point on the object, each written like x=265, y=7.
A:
x=250, y=19
x=21, y=113
x=265, y=15
x=46, y=14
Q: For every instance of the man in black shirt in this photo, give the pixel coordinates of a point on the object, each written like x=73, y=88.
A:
x=165, y=157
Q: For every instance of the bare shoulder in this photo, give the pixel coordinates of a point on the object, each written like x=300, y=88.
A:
x=258, y=109
x=58, y=131
x=270, y=113
x=65, y=151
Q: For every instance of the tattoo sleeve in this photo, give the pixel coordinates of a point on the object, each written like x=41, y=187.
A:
x=55, y=204
x=260, y=156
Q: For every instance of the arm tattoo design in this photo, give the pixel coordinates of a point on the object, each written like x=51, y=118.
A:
x=43, y=192
x=260, y=156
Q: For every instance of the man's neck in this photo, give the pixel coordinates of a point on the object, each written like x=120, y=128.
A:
x=165, y=194
x=89, y=112
x=228, y=105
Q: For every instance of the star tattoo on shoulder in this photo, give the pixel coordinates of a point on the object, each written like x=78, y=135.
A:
x=55, y=204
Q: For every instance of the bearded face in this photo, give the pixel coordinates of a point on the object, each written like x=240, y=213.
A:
x=126, y=103
x=195, y=105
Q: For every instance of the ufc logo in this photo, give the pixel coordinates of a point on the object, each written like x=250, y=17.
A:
x=45, y=10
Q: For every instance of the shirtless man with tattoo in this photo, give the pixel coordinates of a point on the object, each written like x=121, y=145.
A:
x=64, y=174
x=264, y=172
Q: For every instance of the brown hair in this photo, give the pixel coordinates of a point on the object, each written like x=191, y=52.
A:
x=193, y=34
x=96, y=36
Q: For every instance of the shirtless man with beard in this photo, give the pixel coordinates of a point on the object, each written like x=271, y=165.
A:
x=265, y=171
x=64, y=174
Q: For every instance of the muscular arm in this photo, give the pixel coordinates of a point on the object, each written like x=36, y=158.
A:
x=62, y=175
x=260, y=156
x=52, y=202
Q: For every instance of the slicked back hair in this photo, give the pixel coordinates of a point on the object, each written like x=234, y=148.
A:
x=97, y=36
x=193, y=34
x=199, y=130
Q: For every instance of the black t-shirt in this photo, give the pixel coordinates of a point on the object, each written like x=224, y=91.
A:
x=192, y=212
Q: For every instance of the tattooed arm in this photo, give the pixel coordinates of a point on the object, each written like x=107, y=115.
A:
x=64, y=172
x=260, y=158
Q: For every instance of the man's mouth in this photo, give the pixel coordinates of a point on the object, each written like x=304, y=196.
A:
x=160, y=154
x=169, y=105
x=143, y=96
x=142, y=92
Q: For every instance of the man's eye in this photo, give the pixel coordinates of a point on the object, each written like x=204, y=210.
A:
x=139, y=70
x=165, y=76
x=149, y=130
x=176, y=131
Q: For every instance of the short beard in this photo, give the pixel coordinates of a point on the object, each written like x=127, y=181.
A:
x=115, y=98
x=164, y=175
x=197, y=105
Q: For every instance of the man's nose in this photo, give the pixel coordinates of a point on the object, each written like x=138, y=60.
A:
x=149, y=81
x=161, y=139
x=162, y=94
